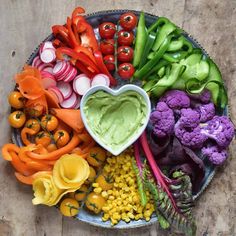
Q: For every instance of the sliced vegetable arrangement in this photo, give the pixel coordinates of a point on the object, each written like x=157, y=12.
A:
x=162, y=172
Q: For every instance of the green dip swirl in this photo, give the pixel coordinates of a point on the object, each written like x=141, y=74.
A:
x=114, y=119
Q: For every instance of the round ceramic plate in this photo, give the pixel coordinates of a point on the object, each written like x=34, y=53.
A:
x=95, y=19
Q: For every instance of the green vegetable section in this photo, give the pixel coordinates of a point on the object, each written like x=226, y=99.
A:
x=164, y=59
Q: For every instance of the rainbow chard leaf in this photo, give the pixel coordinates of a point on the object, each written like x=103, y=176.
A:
x=173, y=196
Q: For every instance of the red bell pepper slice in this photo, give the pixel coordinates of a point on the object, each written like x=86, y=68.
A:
x=84, y=69
x=61, y=32
x=77, y=11
x=80, y=56
x=103, y=68
x=71, y=34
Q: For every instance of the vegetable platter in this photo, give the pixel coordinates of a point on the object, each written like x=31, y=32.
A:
x=120, y=120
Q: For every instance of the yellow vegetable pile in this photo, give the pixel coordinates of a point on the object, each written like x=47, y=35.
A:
x=68, y=175
x=122, y=200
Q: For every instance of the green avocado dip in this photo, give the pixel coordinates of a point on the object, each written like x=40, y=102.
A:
x=114, y=119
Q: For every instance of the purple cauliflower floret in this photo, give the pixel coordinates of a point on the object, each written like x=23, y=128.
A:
x=190, y=137
x=189, y=118
x=203, y=97
x=163, y=120
x=215, y=155
x=176, y=99
x=206, y=111
x=220, y=129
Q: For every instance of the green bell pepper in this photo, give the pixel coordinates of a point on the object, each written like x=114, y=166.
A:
x=148, y=46
x=140, y=41
x=150, y=64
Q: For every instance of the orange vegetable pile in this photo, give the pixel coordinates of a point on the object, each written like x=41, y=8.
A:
x=48, y=132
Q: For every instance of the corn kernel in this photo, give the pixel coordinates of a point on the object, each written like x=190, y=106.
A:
x=147, y=218
x=104, y=194
x=95, y=185
x=111, y=197
x=130, y=215
x=127, y=220
x=98, y=190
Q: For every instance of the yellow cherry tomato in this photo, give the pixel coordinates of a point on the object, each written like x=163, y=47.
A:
x=80, y=194
x=35, y=111
x=52, y=147
x=61, y=138
x=43, y=138
x=49, y=122
x=69, y=207
x=17, y=119
x=92, y=175
x=105, y=181
x=33, y=124
x=95, y=202
x=96, y=156
x=16, y=99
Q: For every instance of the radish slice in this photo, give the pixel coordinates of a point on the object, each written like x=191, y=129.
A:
x=71, y=102
x=78, y=103
x=81, y=84
x=60, y=68
x=42, y=66
x=71, y=75
x=46, y=45
x=48, y=69
x=58, y=93
x=67, y=70
x=65, y=89
x=49, y=82
x=36, y=62
x=100, y=79
x=48, y=55
x=47, y=75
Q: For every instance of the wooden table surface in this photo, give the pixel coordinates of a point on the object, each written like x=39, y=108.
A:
x=24, y=23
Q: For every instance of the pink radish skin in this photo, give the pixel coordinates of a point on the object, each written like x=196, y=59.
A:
x=48, y=55
x=48, y=69
x=60, y=68
x=71, y=75
x=47, y=75
x=100, y=79
x=71, y=102
x=42, y=66
x=49, y=82
x=65, y=89
x=77, y=106
x=58, y=93
x=36, y=62
x=46, y=45
x=81, y=84
x=66, y=72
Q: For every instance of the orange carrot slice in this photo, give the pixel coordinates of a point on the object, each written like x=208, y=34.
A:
x=29, y=179
x=70, y=117
x=31, y=87
x=7, y=148
x=52, y=100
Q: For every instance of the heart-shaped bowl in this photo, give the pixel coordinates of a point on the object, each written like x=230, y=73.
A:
x=116, y=92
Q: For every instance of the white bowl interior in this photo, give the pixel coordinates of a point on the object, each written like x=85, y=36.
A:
x=122, y=89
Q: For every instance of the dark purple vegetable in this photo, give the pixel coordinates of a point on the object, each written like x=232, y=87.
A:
x=206, y=111
x=163, y=120
x=176, y=99
x=220, y=129
x=215, y=154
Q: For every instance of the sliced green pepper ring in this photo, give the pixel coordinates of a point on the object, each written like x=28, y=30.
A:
x=149, y=85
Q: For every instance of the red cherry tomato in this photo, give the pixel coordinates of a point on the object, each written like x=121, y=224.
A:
x=125, y=54
x=125, y=38
x=109, y=61
x=126, y=70
x=128, y=21
x=107, y=30
x=107, y=46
